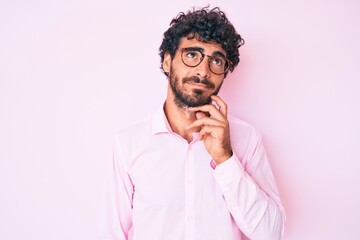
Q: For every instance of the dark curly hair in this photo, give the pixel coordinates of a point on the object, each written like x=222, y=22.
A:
x=206, y=26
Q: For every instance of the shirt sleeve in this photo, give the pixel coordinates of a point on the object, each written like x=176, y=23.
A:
x=251, y=195
x=115, y=222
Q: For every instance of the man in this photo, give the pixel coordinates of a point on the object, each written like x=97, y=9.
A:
x=191, y=171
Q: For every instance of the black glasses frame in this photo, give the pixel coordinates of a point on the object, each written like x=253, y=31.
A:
x=229, y=63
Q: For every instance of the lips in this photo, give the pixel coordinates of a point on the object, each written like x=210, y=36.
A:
x=197, y=82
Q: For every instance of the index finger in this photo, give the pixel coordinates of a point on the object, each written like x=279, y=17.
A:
x=211, y=109
x=222, y=105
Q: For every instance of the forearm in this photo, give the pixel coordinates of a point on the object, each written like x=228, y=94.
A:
x=258, y=214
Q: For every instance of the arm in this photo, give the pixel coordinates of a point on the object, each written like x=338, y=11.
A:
x=250, y=194
x=252, y=200
x=116, y=206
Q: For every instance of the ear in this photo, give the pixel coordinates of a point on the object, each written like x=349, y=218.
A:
x=167, y=62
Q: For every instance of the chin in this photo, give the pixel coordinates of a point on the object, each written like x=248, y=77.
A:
x=198, y=102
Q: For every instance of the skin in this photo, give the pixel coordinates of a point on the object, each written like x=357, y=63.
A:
x=208, y=120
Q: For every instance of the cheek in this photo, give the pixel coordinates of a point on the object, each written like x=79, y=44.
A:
x=181, y=70
x=218, y=84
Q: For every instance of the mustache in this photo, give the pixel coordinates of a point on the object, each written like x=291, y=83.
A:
x=195, y=79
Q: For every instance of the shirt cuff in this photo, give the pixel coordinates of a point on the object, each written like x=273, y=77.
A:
x=228, y=171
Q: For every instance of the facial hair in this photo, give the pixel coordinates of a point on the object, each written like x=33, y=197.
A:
x=195, y=98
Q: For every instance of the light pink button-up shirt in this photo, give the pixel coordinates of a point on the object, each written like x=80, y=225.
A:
x=161, y=187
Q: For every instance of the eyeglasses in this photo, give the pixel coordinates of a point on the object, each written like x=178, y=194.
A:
x=192, y=57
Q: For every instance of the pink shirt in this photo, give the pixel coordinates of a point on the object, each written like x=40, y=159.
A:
x=160, y=187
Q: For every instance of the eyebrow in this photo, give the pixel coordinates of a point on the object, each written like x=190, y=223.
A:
x=216, y=53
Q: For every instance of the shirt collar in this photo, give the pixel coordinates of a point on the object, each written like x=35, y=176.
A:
x=160, y=123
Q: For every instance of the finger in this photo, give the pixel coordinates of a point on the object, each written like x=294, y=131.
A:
x=206, y=121
x=200, y=115
x=211, y=109
x=222, y=105
x=214, y=131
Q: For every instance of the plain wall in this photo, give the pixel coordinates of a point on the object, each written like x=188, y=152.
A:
x=72, y=73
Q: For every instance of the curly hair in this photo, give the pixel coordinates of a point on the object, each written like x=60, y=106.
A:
x=206, y=26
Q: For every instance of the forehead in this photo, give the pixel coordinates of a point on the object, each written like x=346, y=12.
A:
x=209, y=47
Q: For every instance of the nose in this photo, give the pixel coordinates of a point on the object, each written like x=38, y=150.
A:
x=203, y=70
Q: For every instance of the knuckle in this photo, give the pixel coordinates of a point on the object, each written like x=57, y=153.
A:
x=212, y=107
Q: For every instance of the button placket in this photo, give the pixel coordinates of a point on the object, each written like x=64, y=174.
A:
x=189, y=194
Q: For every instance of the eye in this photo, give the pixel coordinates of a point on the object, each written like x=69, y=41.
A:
x=192, y=54
x=218, y=61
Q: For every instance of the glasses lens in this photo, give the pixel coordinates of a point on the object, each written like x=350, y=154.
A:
x=191, y=58
x=218, y=64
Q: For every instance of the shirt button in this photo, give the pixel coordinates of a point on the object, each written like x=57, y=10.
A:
x=213, y=164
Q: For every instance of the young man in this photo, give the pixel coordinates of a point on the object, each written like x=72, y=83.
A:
x=191, y=171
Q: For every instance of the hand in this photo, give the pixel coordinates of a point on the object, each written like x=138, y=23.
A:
x=215, y=130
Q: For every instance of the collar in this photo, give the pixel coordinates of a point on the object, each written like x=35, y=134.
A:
x=160, y=123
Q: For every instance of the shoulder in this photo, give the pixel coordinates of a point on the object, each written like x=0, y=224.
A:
x=241, y=127
x=136, y=130
x=132, y=140
x=246, y=140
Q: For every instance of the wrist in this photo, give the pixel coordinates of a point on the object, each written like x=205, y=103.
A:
x=223, y=158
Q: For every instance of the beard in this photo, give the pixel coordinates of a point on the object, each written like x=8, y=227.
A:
x=195, y=98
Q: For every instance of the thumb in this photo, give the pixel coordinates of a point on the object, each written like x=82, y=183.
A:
x=199, y=115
